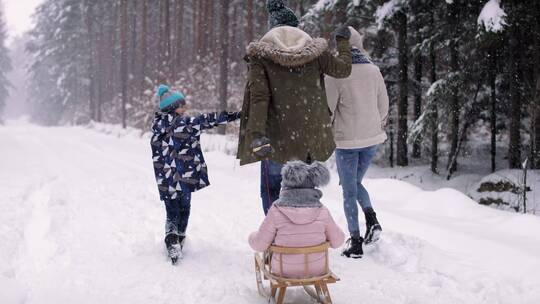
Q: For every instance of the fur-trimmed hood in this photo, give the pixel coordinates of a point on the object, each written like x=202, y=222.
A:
x=288, y=46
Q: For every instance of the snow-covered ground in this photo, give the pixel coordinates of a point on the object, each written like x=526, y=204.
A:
x=81, y=222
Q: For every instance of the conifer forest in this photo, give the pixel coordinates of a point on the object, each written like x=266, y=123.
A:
x=458, y=72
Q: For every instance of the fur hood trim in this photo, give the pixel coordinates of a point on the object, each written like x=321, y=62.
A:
x=288, y=46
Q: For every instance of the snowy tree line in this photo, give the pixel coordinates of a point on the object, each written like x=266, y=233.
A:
x=101, y=60
x=453, y=67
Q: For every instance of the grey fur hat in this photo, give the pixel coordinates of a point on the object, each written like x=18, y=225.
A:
x=279, y=14
x=297, y=174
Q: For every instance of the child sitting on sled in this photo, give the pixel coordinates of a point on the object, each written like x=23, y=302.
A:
x=299, y=219
x=179, y=164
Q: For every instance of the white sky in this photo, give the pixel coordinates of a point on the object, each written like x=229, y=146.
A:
x=18, y=15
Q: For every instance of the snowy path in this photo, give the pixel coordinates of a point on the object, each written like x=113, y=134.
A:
x=80, y=222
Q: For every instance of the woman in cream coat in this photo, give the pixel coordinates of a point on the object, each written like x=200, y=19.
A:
x=359, y=106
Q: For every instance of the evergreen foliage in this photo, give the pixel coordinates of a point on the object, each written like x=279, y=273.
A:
x=451, y=71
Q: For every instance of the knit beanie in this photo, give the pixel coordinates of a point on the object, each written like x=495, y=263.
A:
x=169, y=100
x=279, y=14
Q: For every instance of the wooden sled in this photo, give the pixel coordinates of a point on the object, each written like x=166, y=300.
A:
x=263, y=270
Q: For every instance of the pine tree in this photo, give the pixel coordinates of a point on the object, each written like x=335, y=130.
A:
x=535, y=144
x=60, y=70
x=395, y=14
x=535, y=106
x=516, y=78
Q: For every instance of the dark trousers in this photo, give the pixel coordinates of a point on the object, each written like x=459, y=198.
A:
x=178, y=214
x=270, y=183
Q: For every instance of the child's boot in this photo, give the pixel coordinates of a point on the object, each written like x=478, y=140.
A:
x=174, y=247
x=373, y=228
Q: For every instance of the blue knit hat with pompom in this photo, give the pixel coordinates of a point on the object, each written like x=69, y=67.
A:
x=169, y=100
x=279, y=14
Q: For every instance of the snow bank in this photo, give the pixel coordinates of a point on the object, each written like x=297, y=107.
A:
x=492, y=16
x=504, y=190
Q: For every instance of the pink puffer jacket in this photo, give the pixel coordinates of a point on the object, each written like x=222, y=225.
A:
x=297, y=227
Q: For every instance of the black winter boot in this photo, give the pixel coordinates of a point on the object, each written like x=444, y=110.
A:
x=354, y=248
x=373, y=228
x=174, y=244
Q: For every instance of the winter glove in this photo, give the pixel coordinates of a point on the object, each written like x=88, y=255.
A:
x=343, y=32
x=261, y=146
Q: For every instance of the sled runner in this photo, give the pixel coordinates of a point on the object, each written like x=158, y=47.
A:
x=263, y=270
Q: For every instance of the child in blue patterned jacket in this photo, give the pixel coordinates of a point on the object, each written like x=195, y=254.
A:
x=179, y=164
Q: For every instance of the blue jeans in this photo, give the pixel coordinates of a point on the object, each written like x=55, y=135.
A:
x=178, y=211
x=352, y=165
x=270, y=183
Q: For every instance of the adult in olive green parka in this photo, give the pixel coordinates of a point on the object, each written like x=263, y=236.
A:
x=285, y=113
x=285, y=102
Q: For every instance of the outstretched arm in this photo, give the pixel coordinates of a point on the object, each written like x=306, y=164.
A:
x=210, y=120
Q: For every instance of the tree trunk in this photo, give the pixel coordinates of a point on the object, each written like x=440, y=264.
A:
x=91, y=68
x=144, y=43
x=101, y=70
x=262, y=21
x=112, y=52
x=535, y=108
x=453, y=18
x=210, y=32
x=179, y=35
x=391, y=142
x=124, y=59
x=417, y=102
x=194, y=31
x=237, y=45
x=224, y=64
x=454, y=109
x=402, y=132
x=249, y=22
x=200, y=27
x=514, y=149
x=435, y=114
x=133, y=47
x=493, y=109
x=469, y=120
x=535, y=141
x=205, y=21
x=167, y=42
